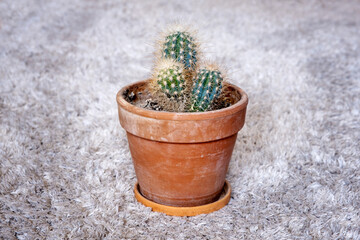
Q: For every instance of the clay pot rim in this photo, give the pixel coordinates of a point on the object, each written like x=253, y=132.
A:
x=181, y=116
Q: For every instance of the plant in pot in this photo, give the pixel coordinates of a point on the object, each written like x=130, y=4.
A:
x=181, y=126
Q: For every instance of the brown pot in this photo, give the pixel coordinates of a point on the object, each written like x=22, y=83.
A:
x=181, y=159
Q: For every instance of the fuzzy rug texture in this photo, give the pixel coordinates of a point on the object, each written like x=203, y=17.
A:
x=65, y=166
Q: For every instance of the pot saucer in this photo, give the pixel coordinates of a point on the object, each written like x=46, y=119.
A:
x=186, y=211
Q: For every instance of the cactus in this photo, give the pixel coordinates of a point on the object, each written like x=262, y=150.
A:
x=182, y=47
x=170, y=85
x=169, y=78
x=207, y=87
x=177, y=84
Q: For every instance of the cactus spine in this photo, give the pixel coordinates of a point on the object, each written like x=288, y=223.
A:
x=206, y=88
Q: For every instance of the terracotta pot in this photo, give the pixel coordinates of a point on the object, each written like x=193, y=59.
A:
x=181, y=159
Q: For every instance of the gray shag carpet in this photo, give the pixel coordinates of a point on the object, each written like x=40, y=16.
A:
x=66, y=171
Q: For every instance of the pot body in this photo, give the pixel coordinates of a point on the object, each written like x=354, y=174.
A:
x=181, y=159
x=181, y=174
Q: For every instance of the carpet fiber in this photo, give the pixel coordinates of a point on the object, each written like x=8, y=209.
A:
x=65, y=167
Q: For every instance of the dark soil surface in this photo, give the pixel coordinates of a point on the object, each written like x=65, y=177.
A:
x=141, y=97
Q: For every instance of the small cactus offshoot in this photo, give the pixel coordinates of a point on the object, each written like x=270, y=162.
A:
x=169, y=78
x=207, y=87
x=182, y=47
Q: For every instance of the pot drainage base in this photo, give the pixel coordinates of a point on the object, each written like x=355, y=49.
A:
x=186, y=211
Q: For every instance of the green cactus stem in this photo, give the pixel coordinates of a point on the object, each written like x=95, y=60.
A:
x=181, y=46
x=207, y=87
